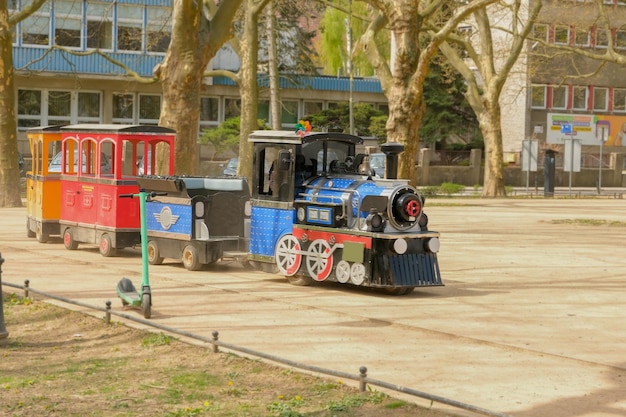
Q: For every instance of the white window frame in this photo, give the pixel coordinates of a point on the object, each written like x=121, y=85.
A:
x=40, y=16
x=101, y=13
x=580, y=97
x=72, y=17
x=536, y=87
x=131, y=22
x=582, y=32
x=621, y=107
x=600, y=104
x=158, y=19
x=565, y=90
x=605, y=35
x=147, y=121
x=558, y=28
x=125, y=120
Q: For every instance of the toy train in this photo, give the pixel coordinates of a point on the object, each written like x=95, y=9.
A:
x=314, y=211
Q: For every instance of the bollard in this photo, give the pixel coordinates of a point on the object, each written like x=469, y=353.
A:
x=362, y=377
x=26, y=283
x=108, y=312
x=215, y=336
x=4, y=335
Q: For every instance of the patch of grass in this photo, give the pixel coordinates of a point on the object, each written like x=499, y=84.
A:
x=156, y=339
x=108, y=371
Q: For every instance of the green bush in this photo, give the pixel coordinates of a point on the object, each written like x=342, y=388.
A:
x=450, y=188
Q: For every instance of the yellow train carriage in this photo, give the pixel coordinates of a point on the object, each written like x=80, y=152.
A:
x=43, y=187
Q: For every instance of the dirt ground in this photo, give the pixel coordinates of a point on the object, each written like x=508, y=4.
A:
x=63, y=363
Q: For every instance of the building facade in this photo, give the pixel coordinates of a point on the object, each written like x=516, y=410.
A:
x=65, y=59
x=556, y=91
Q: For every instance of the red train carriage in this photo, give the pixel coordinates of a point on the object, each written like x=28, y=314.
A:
x=98, y=163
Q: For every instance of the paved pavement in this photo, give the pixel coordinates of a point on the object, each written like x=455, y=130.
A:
x=531, y=321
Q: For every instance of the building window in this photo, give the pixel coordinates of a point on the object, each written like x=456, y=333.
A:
x=620, y=39
x=232, y=108
x=582, y=36
x=28, y=108
x=619, y=99
x=123, y=108
x=88, y=109
x=540, y=31
x=149, y=109
x=59, y=107
x=561, y=34
x=67, y=23
x=263, y=111
x=579, y=98
x=289, y=113
x=538, y=97
x=559, y=97
x=36, y=28
x=129, y=23
x=600, y=99
x=209, y=112
x=99, y=26
x=602, y=39
x=313, y=107
x=159, y=29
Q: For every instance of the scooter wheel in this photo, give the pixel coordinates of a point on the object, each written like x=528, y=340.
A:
x=146, y=305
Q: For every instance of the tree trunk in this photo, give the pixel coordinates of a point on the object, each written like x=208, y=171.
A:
x=249, y=89
x=195, y=41
x=10, y=189
x=493, y=183
x=272, y=64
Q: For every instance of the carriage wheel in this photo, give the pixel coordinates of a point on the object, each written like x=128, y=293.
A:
x=154, y=255
x=40, y=235
x=319, y=261
x=342, y=271
x=357, y=273
x=106, y=246
x=288, y=257
x=190, y=258
x=68, y=240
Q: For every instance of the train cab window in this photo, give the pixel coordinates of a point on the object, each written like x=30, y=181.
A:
x=274, y=173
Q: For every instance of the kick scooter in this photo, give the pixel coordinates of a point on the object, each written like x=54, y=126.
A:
x=125, y=288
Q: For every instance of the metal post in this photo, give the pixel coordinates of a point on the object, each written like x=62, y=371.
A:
x=571, y=166
x=362, y=378
x=4, y=335
x=600, y=169
x=215, y=335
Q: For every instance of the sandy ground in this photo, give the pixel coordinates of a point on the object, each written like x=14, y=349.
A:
x=530, y=322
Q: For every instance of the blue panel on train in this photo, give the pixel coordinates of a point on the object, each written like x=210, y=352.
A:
x=266, y=226
x=331, y=190
x=168, y=218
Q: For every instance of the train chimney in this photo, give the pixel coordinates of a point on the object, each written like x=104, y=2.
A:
x=391, y=150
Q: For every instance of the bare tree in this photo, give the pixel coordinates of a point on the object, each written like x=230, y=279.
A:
x=10, y=193
x=497, y=37
x=402, y=81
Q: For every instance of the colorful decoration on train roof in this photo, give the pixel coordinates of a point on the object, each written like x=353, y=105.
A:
x=303, y=128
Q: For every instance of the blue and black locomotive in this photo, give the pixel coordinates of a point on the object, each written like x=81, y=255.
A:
x=317, y=212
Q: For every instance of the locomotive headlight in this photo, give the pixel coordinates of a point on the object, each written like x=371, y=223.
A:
x=400, y=246
x=247, y=209
x=432, y=245
x=301, y=214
